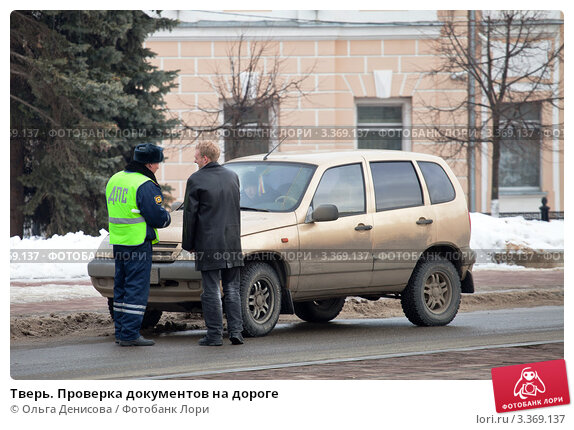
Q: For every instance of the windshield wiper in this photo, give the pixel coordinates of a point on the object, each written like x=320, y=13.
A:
x=245, y=208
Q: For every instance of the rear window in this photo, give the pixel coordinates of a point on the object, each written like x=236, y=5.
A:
x=438, y=183
x=396, y=185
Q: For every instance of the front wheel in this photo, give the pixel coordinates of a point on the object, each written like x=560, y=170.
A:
x=260, y=299
x=432, y=296
x=319, y=310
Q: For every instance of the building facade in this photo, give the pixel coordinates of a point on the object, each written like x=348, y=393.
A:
x=364, y=80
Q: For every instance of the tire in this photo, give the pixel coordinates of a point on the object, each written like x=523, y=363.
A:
x=150, y=319
x=432, y=296
x=318, y=311
x=260, y=299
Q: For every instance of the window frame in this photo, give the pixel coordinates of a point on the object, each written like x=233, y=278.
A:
x=406, y=109
x=343, y=214
x=419, y=162
x=271, y=124
x=421, y=188
x=533, y=124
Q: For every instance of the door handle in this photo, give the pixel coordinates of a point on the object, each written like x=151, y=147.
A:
x=363, y=227
x=424, y=221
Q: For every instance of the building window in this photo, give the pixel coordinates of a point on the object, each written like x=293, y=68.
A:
x=380, y=127
x=520, y=148
x=247, y=131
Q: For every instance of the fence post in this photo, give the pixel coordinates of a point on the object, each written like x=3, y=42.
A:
x=544, y=209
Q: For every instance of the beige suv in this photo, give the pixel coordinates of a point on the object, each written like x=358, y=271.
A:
x=319, y=227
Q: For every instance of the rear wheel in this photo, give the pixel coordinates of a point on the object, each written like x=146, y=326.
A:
x=260, y=299
x=432, y=296
x=319, y=310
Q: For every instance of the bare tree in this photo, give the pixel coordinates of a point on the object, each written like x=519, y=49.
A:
x=510, y=64
x=249, y=95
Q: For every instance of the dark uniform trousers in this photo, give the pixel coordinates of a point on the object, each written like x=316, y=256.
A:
x=211, y=302
x=131, y=288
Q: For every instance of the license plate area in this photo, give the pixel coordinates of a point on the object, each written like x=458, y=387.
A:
x=154, y=276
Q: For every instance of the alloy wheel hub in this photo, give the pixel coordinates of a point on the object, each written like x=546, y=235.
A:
x=437, y=292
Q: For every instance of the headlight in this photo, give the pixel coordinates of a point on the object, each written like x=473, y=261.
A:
x=105, y=250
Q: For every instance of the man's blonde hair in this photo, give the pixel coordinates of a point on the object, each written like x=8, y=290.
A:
x=209, y=150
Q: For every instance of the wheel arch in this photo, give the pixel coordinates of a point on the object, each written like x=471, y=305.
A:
x=445, y=250
x=418, y=302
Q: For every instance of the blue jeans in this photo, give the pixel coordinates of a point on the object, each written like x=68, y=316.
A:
x=131, y=288
x=211, y=302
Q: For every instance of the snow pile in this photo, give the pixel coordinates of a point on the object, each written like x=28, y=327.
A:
x=59, y=257
x=500, y=234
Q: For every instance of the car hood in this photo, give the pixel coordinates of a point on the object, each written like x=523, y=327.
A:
x=255, y=222
x=251, y=222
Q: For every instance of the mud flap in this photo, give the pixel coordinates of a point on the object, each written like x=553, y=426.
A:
x=467, y=284
x=286, y=302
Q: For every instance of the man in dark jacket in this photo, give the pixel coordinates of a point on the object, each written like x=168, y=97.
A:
x=135, y=211
x=212, y=229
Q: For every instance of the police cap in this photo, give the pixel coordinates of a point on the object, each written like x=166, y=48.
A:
x=148, y=153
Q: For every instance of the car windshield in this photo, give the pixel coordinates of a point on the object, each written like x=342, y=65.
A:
x=272, y=186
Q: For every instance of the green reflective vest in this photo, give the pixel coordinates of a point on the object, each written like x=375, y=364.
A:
x=126, y=225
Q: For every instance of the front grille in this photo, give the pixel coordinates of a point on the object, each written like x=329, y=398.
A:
x=163, y=251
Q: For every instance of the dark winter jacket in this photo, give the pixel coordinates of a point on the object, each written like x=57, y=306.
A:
x=149, y=199
x=212, y=218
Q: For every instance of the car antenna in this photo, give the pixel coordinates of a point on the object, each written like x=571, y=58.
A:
x=274, y=148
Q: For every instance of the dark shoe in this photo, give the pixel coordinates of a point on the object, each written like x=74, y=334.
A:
x=204, y=341
x=236, y=339
x=140, y=341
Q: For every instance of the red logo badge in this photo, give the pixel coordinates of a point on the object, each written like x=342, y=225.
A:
x=529, y=386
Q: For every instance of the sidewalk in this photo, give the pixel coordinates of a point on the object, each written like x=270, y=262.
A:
x=57, y=304
x=456, y=365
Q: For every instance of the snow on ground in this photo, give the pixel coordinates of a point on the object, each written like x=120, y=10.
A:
x=490, y=233
x=32, y=259
x=39, y=258
x=51, y=292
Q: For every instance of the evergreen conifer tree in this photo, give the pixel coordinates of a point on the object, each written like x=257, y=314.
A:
x=83, y=93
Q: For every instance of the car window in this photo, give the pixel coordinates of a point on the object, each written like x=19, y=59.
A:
x=271, y=186
x=438, y=183
x=396, y=185
x=344, y=187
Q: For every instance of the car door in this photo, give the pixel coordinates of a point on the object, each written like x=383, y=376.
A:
x=403, y=223
x=338, y=253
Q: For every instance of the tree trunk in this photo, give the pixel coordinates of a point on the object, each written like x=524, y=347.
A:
x=16, y=188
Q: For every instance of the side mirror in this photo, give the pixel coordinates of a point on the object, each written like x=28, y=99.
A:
x=176, y=206
x=325, y=213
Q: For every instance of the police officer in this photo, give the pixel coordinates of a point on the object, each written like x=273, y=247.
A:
x=135, y=212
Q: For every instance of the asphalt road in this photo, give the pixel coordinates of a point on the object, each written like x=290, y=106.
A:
x=177, y=355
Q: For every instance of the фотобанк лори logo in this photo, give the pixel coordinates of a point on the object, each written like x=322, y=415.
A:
x=529, y=386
